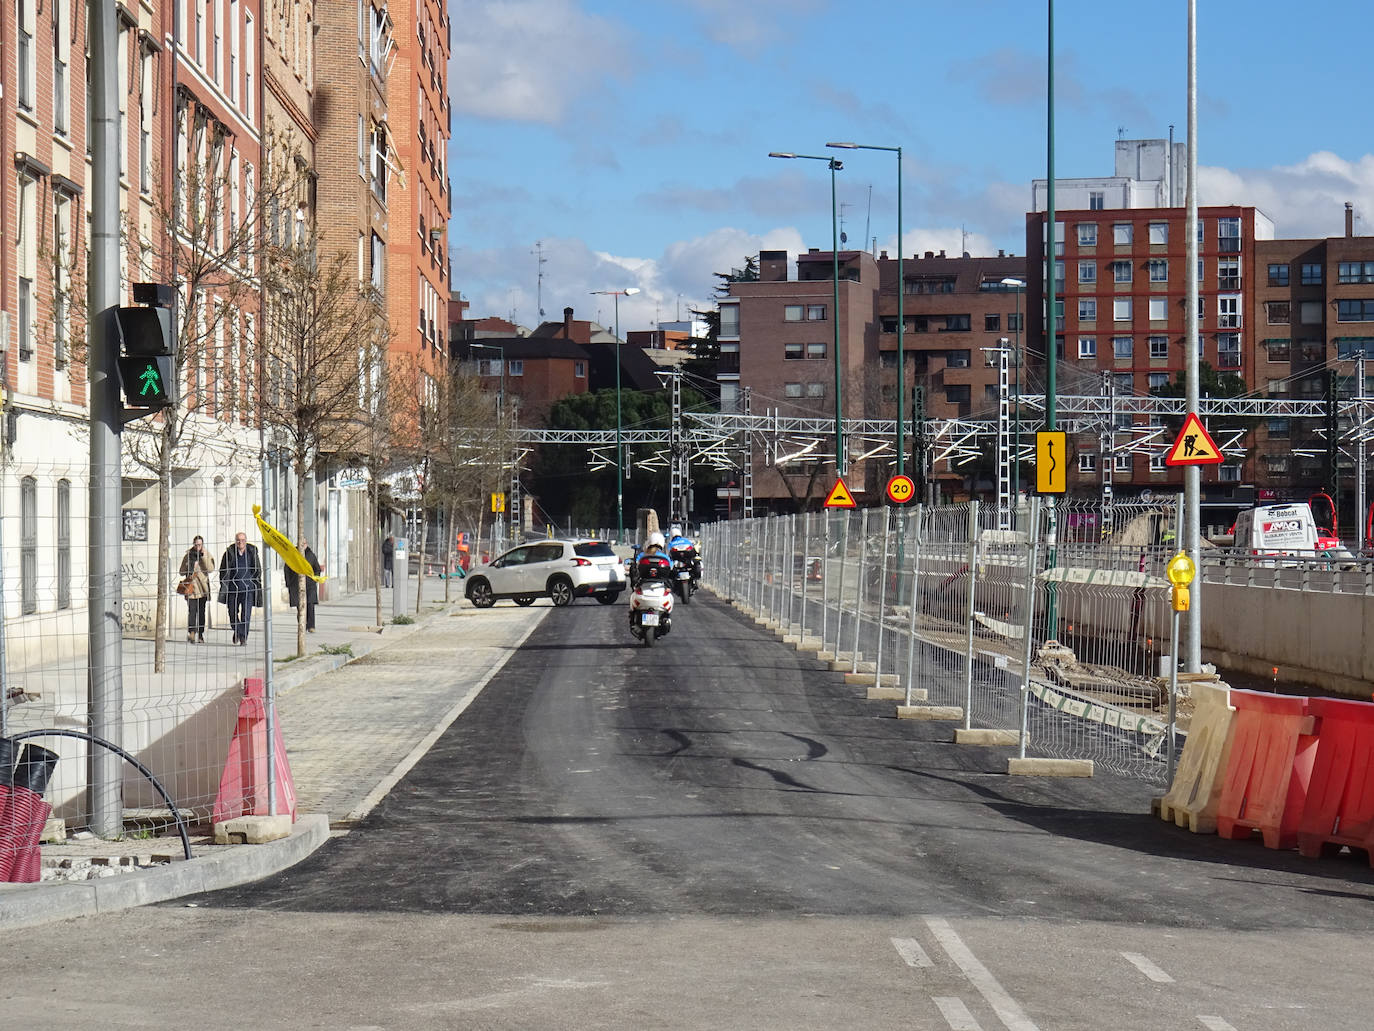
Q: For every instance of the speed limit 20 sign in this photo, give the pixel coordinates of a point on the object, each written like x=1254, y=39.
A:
x=901, y=489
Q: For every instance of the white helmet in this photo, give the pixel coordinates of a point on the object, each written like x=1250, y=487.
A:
x=654, y=540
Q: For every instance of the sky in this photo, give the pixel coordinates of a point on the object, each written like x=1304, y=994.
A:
x=625, y=142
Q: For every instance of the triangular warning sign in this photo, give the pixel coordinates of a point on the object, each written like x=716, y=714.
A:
x=1194, y=446
x=839, y=496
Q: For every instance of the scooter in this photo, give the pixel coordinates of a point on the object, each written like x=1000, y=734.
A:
x=684, y=574
x=651, y=605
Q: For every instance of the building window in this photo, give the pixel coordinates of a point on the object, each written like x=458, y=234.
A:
x=1159, y=347
x=1355, y=309
x=1228, y=273
x=1277, y=313
x=815, y=313
x=815, y=390
x=957, y=360
x=1355, y=272
x=1121, y=271
x=1278, y=275
x=1087, y=272
x=1157, y=380
x=792, y=352
x=931, y=285
x=792, y=390
x=1228, y=312
x=24, y=17
x=1310, y=314
x=378, y=272
x=28, y=545
x=1157, y=464
x=1159, y=234
x=515, y=367
x=1121, y=309
x=1311, y=275
x=381, y=163
x=1121, y=234
x=1228, y=473
x=1228, y=235
x=1228, y=351
x=1278, y=429
x=729, y=320
x=580, y=370
x=958, y=393
x=1087, y=347
x=1123, y=463
x=1087, y=234
x=1124, y=383
x=957, y=324
x=1097, y=200
x=1159, y=270
x=1276, y=465
x=1087, y=309
x=1087, y=462
x=815, y=351
x=992, y=323
x=1159, y=309
x=1123, y=348
x=1279, y=350
x=25, y=319
x=64, y=544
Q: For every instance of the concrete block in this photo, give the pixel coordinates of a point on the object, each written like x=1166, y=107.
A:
x=1050, y=767
x=930, y=712
x=995, y=738
x=252, y=830
x=887, y=679
x=887, y=694
x=54, y=830
x=847, y=665
x=809, y=644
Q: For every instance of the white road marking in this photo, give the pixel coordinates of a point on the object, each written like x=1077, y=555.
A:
x=1215, y=1024
x=1147, y=968
x=956, y=1014
x=910, y=950
x=1003, y=1004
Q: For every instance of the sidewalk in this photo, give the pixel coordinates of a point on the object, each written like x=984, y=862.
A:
x=353, y=724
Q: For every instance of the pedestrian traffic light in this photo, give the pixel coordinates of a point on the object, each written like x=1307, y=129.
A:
x=147, y=345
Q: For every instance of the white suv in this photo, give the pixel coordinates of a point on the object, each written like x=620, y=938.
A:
x=560, y=570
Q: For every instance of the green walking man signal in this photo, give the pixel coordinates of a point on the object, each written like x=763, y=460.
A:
x=147, y=341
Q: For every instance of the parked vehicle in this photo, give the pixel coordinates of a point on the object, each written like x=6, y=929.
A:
x=1283, y=531
x=559, y=570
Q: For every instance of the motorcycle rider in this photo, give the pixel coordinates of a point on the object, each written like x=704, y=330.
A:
x=684, y=549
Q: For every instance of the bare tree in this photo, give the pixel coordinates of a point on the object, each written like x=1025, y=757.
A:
x=315, y=317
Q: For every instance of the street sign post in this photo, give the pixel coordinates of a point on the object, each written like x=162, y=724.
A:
x=901, y=489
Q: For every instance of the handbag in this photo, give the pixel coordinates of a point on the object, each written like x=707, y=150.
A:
x=185, y=588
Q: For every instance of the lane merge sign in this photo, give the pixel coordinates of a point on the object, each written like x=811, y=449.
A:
x=901, y=489
x=1194, y=445
x=839, y=496
x=1051, y=462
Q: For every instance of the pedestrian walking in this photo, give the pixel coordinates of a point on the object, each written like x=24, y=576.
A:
x=388, y=559
x=312, y=588
x=196, y=567
x=240, y=584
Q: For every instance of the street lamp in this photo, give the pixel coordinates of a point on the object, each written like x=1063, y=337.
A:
x=901, y=314
x=1020, y=285
x=835, y=166
x=619, y=457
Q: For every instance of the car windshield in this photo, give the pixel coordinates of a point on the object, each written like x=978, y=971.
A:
x=594, y=549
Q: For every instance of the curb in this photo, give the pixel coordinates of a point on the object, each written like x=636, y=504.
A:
x=36, y=904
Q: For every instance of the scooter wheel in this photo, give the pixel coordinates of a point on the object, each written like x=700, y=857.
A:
x=687, y=594
x=649, y=633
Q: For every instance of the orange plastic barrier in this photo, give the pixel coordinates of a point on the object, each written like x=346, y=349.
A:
x=243, y=785
x=1272, y=750
x=1340, y=799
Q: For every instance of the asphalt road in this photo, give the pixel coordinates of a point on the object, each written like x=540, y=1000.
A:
x=717, y=832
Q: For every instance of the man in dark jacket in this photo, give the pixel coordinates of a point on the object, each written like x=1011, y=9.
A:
x=312, y=587
x=240, y=584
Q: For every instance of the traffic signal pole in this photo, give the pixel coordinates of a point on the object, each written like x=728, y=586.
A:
x=105, y=684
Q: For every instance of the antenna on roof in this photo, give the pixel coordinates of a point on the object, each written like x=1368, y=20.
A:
x=540, y=262
x=1120, y=132
x=844, y=237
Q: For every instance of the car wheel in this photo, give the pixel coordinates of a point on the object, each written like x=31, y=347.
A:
x=561, y=591
x=479, y=593
x=525, y=599
x=607, y=597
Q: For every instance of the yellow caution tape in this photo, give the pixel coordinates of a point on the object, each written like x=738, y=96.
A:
x=281, y=544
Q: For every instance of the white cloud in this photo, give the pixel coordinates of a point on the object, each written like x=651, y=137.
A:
x=1306, y=200
x=530, y=60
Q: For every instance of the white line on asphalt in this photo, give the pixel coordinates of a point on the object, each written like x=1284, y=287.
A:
x=417, y=753
x=910, y=950
x=1003, y=1004
x=956, y=1014
x=1147, y=968
x=1215, y=1024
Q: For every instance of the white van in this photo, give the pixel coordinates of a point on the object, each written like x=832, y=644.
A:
x=1283, y=530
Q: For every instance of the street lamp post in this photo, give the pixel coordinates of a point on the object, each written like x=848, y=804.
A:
x=835, y=166
x=901, y=314
x=619, y=450
x=1020, y=285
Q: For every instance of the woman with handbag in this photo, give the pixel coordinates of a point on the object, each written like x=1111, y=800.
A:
x=195, y=588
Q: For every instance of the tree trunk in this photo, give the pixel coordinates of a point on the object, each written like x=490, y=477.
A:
x=164, y=537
